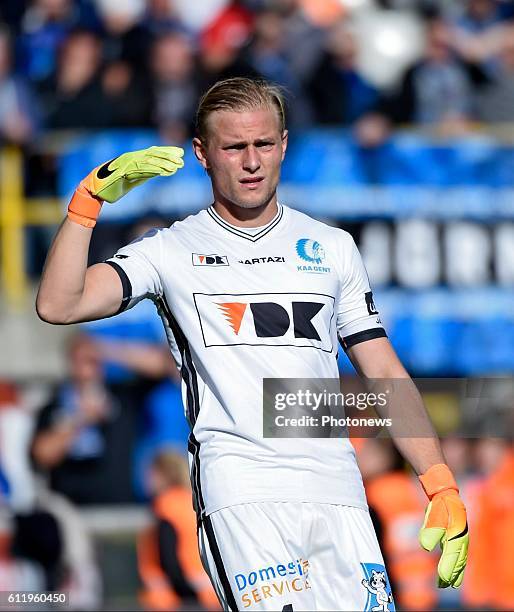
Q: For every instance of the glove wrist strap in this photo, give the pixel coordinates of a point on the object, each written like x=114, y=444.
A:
x=436, y=479
x=84, y=208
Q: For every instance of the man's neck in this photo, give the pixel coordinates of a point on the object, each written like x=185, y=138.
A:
x=247, y=217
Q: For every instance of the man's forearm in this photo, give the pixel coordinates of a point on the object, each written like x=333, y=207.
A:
x=412, y=430
x=64, y=274
x=421, y=453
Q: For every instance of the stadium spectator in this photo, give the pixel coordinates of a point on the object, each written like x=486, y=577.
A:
x=269, y=55
x=477, y=35
x=480, y=15
x=17, y=573
x=220, y=46
x=45, y=535
x=34, y=534
x=175, y=86
x=125, y=100
x=302, y=38
x=230, y=27
x=340, y=95
x=223, y=62
x=41, y=534
x=18, y=113
x=266, y=51
x=437, y=90
x=15, y=433
x=45, y=26
x=168, y=559
x=495, y=99
x=73, y=97
x=125, y=36
x=83, y=436
x=161, y=18
x=489, y=585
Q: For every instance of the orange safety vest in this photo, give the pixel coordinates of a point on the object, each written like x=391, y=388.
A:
x=173, y=506
x=398, y=503
x=489, y=577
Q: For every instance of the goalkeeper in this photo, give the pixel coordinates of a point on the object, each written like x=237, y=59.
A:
x=261, y=503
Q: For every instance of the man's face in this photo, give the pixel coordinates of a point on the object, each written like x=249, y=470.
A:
x=243, y=155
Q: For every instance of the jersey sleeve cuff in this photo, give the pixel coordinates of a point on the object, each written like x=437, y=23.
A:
x=363, y=336
x=125, y=283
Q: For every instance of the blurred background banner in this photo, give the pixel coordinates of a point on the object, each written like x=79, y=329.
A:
x=401, y=122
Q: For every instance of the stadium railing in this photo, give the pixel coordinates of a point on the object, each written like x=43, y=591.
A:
x=16, y=213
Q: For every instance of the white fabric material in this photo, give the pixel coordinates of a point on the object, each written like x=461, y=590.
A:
x=224, y=289
x=16, y=426
x=307, y=555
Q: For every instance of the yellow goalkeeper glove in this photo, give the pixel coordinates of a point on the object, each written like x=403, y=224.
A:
x=445, y=524
x=112, y=180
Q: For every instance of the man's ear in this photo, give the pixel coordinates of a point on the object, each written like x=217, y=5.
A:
x=200, y=153
x=285, y=138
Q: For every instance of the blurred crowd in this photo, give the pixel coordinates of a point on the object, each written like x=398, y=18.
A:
x=92, y=64
x=110, y=434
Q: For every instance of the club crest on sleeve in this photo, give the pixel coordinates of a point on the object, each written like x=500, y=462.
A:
x=376, y=583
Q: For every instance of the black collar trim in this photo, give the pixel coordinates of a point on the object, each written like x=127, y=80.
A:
x=240, y=232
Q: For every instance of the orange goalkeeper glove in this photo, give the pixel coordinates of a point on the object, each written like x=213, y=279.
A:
x=112, y=180
x=445, y=524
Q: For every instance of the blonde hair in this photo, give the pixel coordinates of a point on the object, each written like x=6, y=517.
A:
x=239, y=94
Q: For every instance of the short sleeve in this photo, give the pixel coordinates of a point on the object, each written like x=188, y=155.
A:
x=138, y=267
x=358, y=319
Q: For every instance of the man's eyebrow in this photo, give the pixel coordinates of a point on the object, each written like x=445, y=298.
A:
x=234, y=143
x=243, y=143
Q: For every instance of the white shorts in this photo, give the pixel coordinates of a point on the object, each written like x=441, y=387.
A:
x=294, y=556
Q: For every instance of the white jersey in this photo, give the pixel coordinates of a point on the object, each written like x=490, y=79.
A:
x=240, y=305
